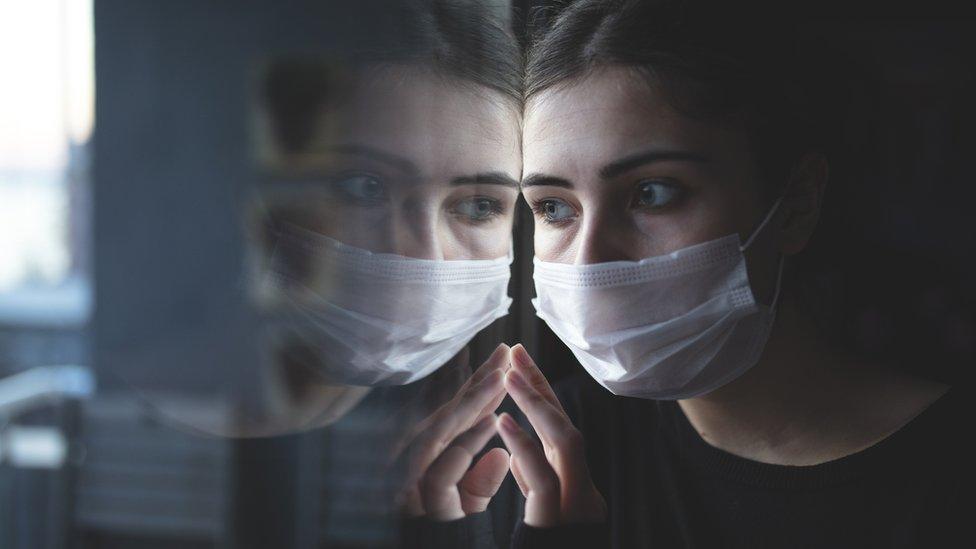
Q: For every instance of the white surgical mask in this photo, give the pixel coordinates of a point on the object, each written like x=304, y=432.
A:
x=668, y=327
x=386, y=319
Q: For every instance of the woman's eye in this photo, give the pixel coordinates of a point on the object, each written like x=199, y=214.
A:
x=553, y=210
x=656, y=193
x=478, y=208
x=362, y=188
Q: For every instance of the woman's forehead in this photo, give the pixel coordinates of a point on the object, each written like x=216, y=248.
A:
x=437, y=123
x=418, y=97
x=609, y=113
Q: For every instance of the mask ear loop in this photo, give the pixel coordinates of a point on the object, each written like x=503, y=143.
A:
x=779, y=280
x=755, y=233
x=782, y=258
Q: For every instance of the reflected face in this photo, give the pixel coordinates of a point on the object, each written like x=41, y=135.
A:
x=418, y=165
x=612, y=172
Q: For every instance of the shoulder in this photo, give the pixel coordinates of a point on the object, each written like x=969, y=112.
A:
x=927, y=424
x=942, y=469
x=942, y=412
x=903, y=403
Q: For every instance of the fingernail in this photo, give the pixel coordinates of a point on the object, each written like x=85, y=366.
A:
x=501, y=347
x=521, y=356
x=506, y=422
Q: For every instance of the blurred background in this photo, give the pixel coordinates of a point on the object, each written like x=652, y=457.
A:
x=127, y=172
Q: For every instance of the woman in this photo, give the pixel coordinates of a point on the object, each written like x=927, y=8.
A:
x=388, y=214
x=391, y=225
x=674, y=174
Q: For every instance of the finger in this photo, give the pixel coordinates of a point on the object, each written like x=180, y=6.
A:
x=469, y=409
x=492, y=362
x=411, y=501
x=492, y=406
x=552, y=426
x=463, y=359
x=439, y=488
x=429, y=444
x=522, y=361
x=496, y=360
x=475, y=438
x=539, y=482
x=517, y=474
x=485, y=412
x=481, y=482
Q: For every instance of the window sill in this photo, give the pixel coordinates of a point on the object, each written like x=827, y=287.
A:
x=67, y=306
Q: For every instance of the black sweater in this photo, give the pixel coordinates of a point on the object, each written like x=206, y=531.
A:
x=667, y=488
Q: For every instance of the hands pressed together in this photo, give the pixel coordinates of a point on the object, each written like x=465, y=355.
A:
x=441, y=482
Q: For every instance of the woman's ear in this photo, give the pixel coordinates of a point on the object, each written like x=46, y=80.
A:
x=801, y=205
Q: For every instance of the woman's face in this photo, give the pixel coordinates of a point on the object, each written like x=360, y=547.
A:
x=612, y=172
x=418, y=165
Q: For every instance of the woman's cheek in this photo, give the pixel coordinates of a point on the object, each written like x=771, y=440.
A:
x=693, y=223
x=486, y=240
x=553, y=244
x=365, y=228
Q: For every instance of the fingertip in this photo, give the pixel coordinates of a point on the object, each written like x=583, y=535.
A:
x=520, y=357
x=485, y=422
x=499, y=451
x=504, y=458
x=499, y=357
x=489, y=422
x=506, y=423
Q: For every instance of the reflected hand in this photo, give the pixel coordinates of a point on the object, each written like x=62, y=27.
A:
x=554, y=479
x=440, y=481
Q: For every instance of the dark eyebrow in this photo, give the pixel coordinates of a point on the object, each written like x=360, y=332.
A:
x=488, y=178
x=398, y=162
x=618, y=167
x=539, y=179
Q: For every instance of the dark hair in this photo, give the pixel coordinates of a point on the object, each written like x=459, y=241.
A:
x=725, y=70
x=467, y=41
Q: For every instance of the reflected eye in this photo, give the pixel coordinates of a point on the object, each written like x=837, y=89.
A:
x=478, y=208
x=656, y=193
x=363, y=188
x=553, y=210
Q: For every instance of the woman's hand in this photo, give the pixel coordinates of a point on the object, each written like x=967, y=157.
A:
x=554, y=478
x=440, y=482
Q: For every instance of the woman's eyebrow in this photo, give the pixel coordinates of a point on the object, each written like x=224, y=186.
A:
x=398, y=162
x=540, y=179
x=487, y=178
x=618, y=167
